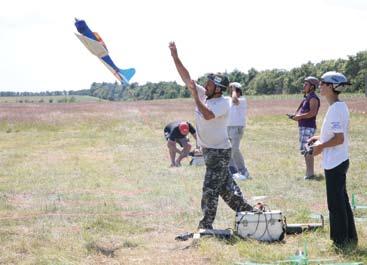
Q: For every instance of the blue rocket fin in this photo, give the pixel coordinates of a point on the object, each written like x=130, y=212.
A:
x=127, y=74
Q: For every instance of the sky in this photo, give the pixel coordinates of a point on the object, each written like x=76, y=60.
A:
x=40, y=52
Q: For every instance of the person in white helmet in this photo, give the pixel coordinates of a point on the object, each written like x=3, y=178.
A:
x=236, y=127
x=305, y=115
x=333, y=144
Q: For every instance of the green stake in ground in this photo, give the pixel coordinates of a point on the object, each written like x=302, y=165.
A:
x=301, y=258
x=354, y=204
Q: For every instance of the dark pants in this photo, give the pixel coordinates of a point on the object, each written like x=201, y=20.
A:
x=342, y=227
x=219, y=182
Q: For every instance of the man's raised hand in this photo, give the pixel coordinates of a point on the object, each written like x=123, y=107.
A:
x=172, y=47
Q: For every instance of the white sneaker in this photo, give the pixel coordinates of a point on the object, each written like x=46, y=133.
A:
x=236, y=175
x=239, y=176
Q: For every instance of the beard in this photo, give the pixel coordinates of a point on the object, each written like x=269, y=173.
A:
x=209, y=95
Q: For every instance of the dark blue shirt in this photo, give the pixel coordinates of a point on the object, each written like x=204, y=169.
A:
x=172, y=132
x=305, y=107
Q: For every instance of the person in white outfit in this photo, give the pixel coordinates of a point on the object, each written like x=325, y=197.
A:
x=236, y=127
x=333, y=143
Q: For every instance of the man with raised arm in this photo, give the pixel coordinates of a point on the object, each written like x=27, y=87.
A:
x=211, y=115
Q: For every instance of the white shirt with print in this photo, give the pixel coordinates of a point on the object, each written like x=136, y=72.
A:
x=213, y=133
x=336, y=121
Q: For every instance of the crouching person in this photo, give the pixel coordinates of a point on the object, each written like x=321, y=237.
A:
x=176, y=133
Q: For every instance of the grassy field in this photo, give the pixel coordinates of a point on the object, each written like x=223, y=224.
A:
x=48, y=99
x=89, y=183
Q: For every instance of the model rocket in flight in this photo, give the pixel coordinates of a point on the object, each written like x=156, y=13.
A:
x=94, y=43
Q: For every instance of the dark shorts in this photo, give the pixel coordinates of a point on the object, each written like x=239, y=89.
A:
x=181, y=141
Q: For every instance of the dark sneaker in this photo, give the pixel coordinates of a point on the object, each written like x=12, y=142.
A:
x=309, y=177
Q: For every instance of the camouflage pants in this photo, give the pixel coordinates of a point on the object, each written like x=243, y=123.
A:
x=219, y=182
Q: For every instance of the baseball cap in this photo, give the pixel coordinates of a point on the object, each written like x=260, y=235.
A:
x=183, y=127
x=219, y=80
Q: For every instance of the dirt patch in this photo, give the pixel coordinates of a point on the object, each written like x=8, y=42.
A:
x=147, y=110
x=283, y=106
x=37, y=214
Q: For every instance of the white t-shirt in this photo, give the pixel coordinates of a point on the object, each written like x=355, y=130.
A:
x=336, y=121
x=237, y=114
x=213, y=133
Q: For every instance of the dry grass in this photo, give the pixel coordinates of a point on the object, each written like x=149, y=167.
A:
x=89, y=183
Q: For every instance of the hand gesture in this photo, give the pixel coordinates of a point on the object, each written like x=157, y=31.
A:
x=313, y=139
x=172, y=47
x=230, y=91
x=316, y=149
x=192, y=88
x=259, y=207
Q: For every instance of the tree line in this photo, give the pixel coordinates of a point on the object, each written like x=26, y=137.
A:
x=275, y=81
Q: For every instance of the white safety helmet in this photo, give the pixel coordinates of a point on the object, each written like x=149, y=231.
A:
x=235, y=84
x=312, y=80
x=237, y=87
x=338, y=80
